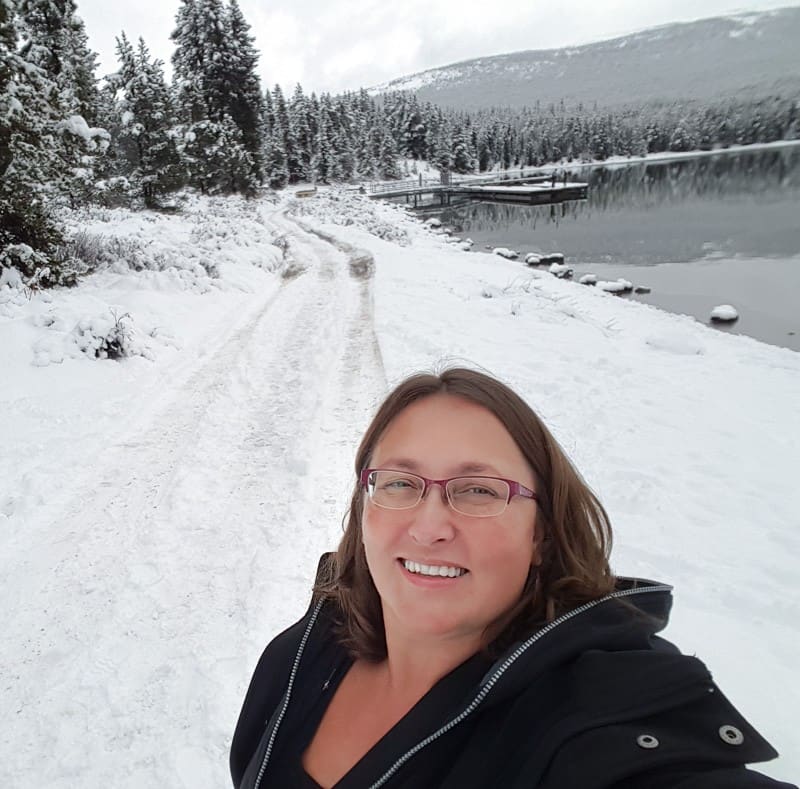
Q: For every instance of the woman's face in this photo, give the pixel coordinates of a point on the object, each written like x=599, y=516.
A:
x=439, y=437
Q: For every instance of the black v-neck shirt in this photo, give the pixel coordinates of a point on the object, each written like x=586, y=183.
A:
x=444, y=700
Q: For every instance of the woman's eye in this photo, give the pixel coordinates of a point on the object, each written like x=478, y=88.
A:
x=478, y=491
x=398, y=484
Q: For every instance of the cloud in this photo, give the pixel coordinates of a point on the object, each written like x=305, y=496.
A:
x=337, y=45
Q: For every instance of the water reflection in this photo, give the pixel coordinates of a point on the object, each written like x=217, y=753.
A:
x=742, y=206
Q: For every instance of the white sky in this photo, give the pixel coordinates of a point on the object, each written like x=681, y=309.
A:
x=336, y=45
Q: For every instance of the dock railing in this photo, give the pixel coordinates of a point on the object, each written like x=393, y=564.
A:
x=421, y=183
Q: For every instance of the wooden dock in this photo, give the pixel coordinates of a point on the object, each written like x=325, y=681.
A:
x=537, y=194
x=505, y=188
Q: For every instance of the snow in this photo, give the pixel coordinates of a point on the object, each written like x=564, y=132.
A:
x=724, y=312
x=504, y=252
x=161, y=516
x=76, y=125
x=560, y=270
x=614, y=286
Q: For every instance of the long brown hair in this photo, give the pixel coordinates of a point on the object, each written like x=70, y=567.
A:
x=575, y=531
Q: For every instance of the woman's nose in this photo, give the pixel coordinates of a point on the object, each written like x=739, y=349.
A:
x=432, y=518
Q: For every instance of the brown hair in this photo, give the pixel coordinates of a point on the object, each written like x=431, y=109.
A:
x=575, y=532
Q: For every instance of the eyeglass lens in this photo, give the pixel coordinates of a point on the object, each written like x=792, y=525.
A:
x=477, y=496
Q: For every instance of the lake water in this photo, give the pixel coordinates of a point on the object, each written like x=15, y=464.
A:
x=719, y=229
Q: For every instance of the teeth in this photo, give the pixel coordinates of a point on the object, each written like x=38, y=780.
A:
x=433, y=569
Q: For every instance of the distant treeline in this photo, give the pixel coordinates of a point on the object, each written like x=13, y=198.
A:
x=67, y=138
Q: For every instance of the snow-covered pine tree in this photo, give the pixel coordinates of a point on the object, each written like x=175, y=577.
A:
x=244, y=102
x=388, y=155
x=53, y=39
x=443, y=151
x=363, y=111
x=188, y=64
x=214, y=143
x=322, y=163
x=275, y=163
x=30, y=160
x=300, y=142
x=462, y=159
x=147, y=135
x=276, y=168
x=344, y=160
x=281, y=114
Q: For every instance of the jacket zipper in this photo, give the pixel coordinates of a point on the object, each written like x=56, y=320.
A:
x=471, y=707
x=292, y=675
x=493, y=679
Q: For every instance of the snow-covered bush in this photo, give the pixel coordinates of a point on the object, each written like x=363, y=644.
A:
x=108, y=336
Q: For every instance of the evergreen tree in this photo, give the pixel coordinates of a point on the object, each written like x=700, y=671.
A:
x=462, y=160
x=442, y=155
x=147, y=135
x=322, y=164
x=244, y=102
x=216, y=158
x=345, y=160
x=29, y=235
x=299, y=149
x=217, y=148
x=188, y=61
x=54, y=40
x=388, y=155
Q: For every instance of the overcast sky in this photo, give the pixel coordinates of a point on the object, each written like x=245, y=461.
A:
x=337, y=45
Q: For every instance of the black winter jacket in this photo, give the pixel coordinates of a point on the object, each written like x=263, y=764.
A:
x=594, y=700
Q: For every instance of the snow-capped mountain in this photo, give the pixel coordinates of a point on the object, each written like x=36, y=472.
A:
x=748, y=53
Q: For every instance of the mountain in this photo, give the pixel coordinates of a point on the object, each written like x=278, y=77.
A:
x=746, y=54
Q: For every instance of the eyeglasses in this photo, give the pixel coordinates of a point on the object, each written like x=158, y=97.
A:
x=478, y=497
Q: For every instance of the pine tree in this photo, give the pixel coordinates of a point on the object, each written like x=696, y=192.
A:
x=322, y=164
x=275, y=161
x=462, y=160
x=216, y=158
x=388, y=155
x=54, y=40
x=188, y=63
x=300, y=143
x=147, y=136
x=443, y=151
x=217, y=148
x=29, y=235
x=244, y=102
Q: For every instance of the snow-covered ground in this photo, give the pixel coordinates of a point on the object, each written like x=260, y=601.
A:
x=161, y=516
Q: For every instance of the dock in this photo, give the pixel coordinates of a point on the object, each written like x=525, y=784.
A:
x=535, y=194
x=507, y=187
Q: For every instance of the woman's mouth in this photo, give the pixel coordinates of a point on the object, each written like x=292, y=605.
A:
x=434, y=570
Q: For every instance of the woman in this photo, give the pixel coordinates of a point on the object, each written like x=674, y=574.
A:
x=468, y=632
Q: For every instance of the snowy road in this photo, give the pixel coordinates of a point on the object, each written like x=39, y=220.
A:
x=141, y=600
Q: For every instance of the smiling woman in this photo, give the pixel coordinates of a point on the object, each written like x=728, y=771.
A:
x=468, y=632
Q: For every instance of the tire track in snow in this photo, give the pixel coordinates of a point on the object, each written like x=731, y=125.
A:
x=194, y=540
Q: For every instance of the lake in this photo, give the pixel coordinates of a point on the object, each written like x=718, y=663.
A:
x=716, y=229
